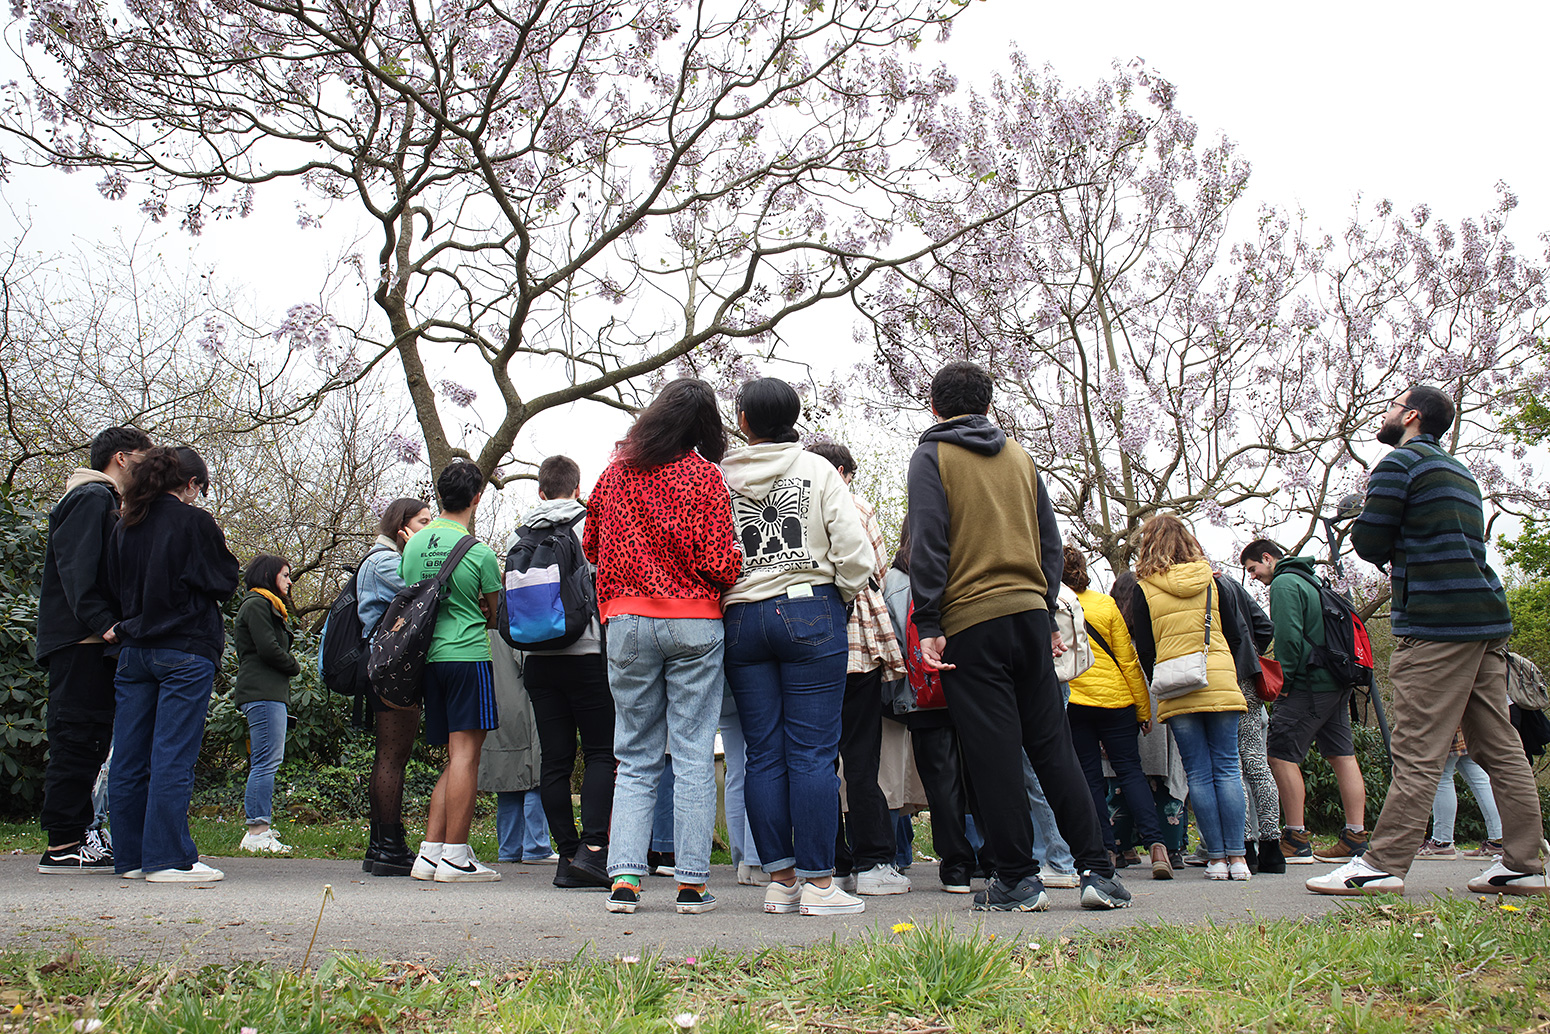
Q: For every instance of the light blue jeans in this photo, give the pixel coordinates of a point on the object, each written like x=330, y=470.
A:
x=665, y=675
x=520, y=826
x=1050, y=849
x=735, y=748
x=266, y=749
x=662, y=815
x=1445, y=806
x=1208, y=746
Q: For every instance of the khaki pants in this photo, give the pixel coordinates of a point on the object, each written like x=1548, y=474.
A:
x=1439, y=687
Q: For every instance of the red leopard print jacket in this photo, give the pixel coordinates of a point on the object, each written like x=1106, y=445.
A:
x=663, y=540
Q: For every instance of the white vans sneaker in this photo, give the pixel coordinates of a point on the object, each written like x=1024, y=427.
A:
x=264, y=843
x=1357, y=877
x=752, y=875
x=199, y=872
x=882, y=879
x=829, y=901
x=1499, y=879
x=780, y=899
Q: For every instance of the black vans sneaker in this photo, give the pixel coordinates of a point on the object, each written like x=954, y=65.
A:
x=79, y=859
x=625, y=897
x=692, y=899
x=1027, y=896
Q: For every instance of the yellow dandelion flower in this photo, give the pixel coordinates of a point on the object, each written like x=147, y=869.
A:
x=901, y=927
x=1509, y=908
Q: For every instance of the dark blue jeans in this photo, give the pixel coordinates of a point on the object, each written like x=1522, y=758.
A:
x=786, y=660
x=162, y=698
x=1096, y=731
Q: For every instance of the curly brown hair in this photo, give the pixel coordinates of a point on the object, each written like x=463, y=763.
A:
x=1165, y=541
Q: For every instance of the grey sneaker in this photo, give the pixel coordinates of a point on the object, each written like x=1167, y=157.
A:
x=1103, y=892
x=1027, y=896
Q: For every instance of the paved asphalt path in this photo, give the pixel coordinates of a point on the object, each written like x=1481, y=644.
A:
x=266, y=907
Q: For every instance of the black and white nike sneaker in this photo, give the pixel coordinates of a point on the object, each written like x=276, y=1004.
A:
x=1499, y=879
x=1357, y=877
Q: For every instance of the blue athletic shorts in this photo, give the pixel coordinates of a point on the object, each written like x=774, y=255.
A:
x=459, y=695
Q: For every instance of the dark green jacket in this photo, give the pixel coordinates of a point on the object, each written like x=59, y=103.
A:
x=265, y=664
x=1299, y=619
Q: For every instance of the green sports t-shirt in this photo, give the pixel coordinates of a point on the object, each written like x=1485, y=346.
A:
x=461, y=631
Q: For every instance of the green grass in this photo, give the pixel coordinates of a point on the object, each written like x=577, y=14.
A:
x=1378, y=966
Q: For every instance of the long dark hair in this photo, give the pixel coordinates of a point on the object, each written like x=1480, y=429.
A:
x=901, y=556
x=1124, y=593
x=163, y=469
x=264, y=573
x=682, y=417
x=772, y=407
x=399, y=513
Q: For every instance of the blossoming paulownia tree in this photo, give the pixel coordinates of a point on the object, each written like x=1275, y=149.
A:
x=1153, y=358
x=578, y=192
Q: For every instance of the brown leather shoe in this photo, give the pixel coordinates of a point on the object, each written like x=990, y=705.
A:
x=1162, y=868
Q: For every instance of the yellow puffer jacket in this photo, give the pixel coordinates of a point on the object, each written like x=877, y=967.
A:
x=1116, y=681
x=1177, y=600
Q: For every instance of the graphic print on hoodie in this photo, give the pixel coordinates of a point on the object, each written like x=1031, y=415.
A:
x=771, y=528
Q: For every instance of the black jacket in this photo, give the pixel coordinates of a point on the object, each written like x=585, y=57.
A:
x=73, y=602
x=265, y=664
x=1255, y=630
x=170, y=574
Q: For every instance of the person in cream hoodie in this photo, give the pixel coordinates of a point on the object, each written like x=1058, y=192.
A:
x=806, y=556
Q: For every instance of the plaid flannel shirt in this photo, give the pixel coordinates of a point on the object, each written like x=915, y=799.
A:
x=872, y=640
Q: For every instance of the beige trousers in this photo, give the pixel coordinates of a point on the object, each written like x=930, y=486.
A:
x=1439, y=687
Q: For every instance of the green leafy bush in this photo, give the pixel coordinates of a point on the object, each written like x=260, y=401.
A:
x=23, y=685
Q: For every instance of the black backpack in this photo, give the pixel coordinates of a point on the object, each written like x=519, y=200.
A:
x=1347, y=652
x=398, y=652
x=343, y=651
x=550, y=596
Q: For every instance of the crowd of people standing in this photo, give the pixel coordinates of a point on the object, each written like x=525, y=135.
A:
x=746, y=589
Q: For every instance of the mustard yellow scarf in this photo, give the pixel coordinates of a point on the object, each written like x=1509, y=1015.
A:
x=276, y=602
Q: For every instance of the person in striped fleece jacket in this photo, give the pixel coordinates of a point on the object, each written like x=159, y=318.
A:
x=1424, y=519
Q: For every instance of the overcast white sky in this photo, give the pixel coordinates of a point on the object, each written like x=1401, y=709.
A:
x=1414, y=102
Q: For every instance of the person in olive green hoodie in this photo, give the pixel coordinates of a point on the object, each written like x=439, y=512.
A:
x=265, y=667
x=1312, y=708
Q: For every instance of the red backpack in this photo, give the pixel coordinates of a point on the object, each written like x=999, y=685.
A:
x=926, y=683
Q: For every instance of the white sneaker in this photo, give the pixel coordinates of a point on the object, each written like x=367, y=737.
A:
x=1499, y=879
x=831, y=900
x=199, y=872
x=1357, y=877
x=466, y=869
x=882, y=879
x=1218, y=869
x=425, y=862
x=1238, y=870
x=264, y=843
x=781, y=899
x=132, y=874
x=1064, y=880
x=847, y=883
x=752, y=875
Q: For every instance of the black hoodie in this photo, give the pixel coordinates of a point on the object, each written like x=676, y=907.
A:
x=73, y=602
x=983, y=537
x=170, y=574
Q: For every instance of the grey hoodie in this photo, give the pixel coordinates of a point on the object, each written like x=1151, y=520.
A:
x=548, y=514
x=797, y=523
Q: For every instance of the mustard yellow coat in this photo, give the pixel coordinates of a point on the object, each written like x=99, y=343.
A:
x=1177, y=600
x=1116, y=681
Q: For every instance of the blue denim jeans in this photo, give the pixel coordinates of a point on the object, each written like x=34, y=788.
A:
x=1445, y=806
x=1208, y=746
x=521, y=830
x=266, y=749
x=665, y=675
x=162, y=697
x=662, y=814
x=786, y=660
x=1050, y=849
x=739, y=833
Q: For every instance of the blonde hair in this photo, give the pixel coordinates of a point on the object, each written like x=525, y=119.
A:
x=1165, y=541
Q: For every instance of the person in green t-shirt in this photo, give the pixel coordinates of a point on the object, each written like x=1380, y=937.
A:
x=459, y=683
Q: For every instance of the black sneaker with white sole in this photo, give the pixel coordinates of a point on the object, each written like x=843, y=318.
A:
x=693, y=900
x=624, y=898
x=77, y=859
x=1027, y=896
x=1103, y=892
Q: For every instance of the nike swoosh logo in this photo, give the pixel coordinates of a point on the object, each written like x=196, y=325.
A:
x=470, y=867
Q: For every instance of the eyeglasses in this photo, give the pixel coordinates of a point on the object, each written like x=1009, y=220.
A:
x=1400, y=402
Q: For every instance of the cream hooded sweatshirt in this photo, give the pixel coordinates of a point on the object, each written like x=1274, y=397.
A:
x=797, y=523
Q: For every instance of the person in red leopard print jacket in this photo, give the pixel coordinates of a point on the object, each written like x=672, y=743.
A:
x=659, y=528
